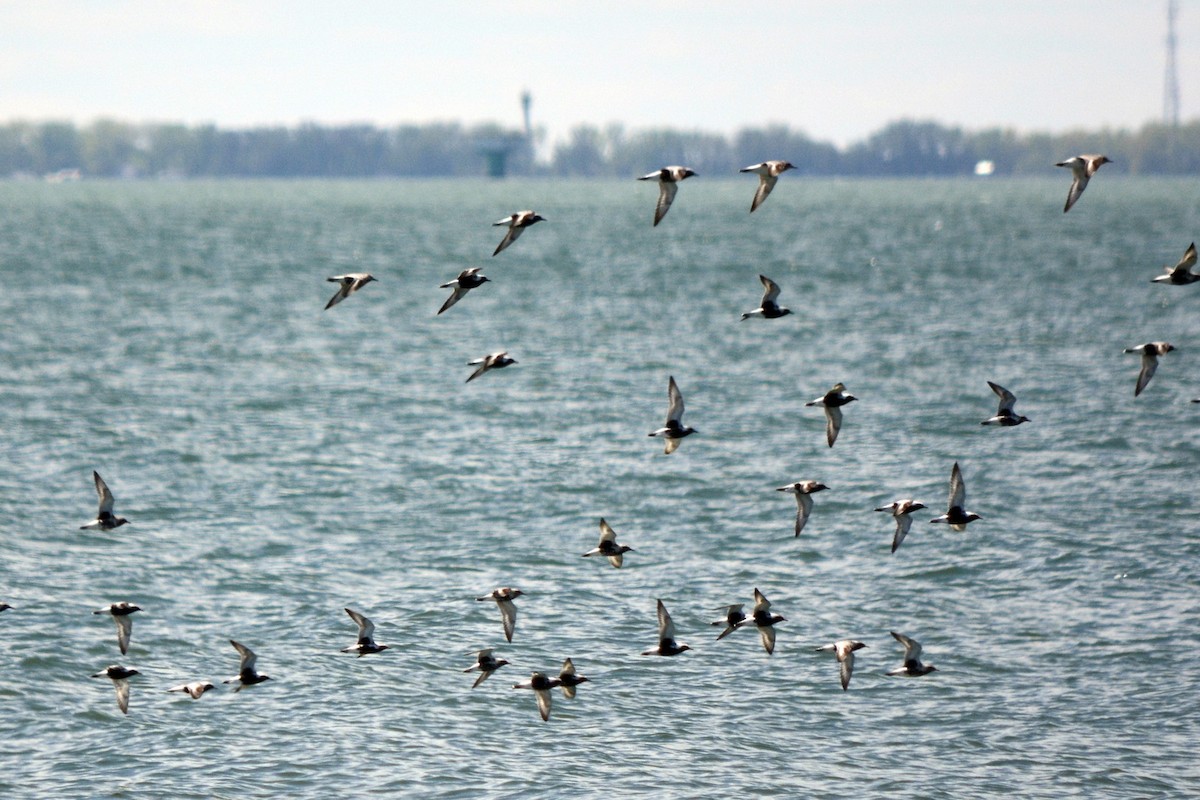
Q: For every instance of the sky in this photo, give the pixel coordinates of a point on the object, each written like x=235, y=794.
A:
x=837, y=71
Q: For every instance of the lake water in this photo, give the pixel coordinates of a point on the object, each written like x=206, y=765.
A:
x=280, y=462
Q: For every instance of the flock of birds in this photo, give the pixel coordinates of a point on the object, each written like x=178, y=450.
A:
x=673, y=431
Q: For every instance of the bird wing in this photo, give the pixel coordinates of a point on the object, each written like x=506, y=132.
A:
x=912, y=648
x=248, y=656
x=543, y=701
x=1077, y=186
x=846, y=657
x=666, y=196
x=122, y=687
x=607, y=534
x=616, y=559
x=771, y=290
x=366, y=628
x=767, y=634
x=674, y=403
x=458, y=294
x=1189, y=258
x=1007, y=398
x=106, y=496
x=903, y=523
x=124, y=629
x=1149, y=365
x=761, y=603
x=666, y=628
x=510, y=236
x=508, y=613
x=833, y=423
x=803, y=509
x=765, y=184
x=958, y=489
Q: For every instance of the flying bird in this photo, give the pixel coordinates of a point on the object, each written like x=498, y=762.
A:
x=541, y=686
x=1181, y=274
x=350, y=283
x=900, y=510
x=764, y=620
x=768, y=173
x=1082, y=169
x=105, y=519
x=608, y=546
x=845, y=656
x=956, y=516
x=467, y=280
x=804, y=503
x=1005, y=416
x=490, y=361
x=733, y=617
x=486, y=664
x=832, y=401
x=673, y=430
x=668, y=184
x=568, y=679
x=120, y=677
x=1150, y=352
x=768, y=308
x=194, y=690
x=120, y=613
x=366, y=631
x=247, y=676
x=517, y=222
x=912, y=658
x=667, y=646
x=504, y=597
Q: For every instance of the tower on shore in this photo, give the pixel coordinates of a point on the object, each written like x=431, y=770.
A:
x=1171, y=80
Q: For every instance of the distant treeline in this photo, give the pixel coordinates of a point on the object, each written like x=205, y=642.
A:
x=114, y=149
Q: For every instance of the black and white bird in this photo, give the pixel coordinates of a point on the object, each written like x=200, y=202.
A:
x=569, y=678
x=541, y=686
x=956, y=515
x=912, y=667
x=120, y=677
x=120, y=613
x=668, y=184
x=832, y=401
x=762, y=618
x=366, y=632
x=489, y=362
x=768, y=173
x=845, y=655
x=504, y=597
x=1005, y=416
x=667, y=646
x=803, y=491
x=900, y=511
x=1150, y=352
x=733, y=617
x=247, y=675
x=486, y=664
x=608, y=546
x=1082, y=169
x=517, y=222
x=467, y=280
x=105, y=519
x=350, y=283
x=673, y=430
x=195, y=689
x=769, y=307
x=1181, y=274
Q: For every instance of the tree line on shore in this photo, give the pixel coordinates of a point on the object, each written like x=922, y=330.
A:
x=109, y=148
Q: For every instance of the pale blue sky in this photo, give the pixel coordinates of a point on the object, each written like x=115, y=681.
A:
x=836, y=70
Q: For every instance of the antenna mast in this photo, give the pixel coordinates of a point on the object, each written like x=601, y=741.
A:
x=1171, y=81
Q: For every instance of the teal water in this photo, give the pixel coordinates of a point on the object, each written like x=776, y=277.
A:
x=279, y=462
